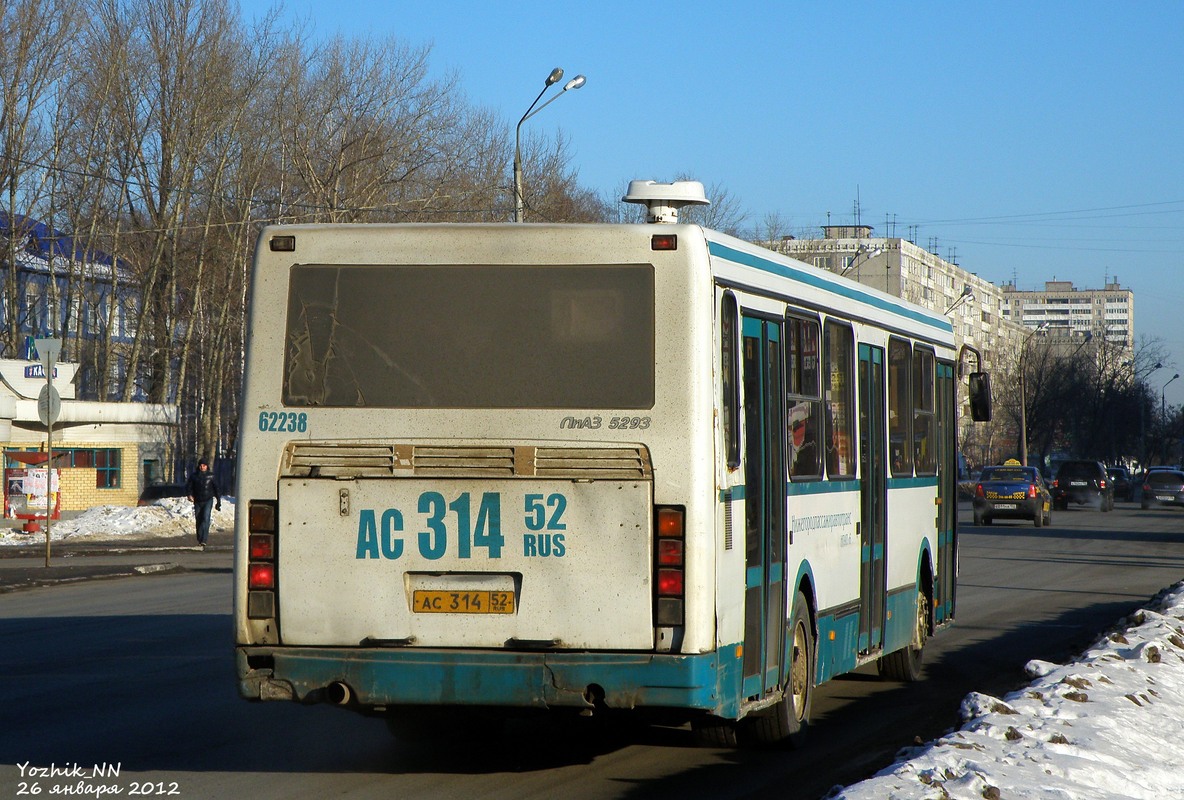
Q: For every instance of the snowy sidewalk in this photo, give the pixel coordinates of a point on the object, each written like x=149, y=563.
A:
x=1109, y=726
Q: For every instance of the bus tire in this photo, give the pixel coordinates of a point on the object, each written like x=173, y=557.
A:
x=714, y=732
x=788, y=719
x=905, y=664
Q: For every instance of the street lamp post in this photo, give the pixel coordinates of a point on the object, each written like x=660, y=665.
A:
x=1163, y=408
x=555, y=76
x=1142, y=413
x=1024, y=393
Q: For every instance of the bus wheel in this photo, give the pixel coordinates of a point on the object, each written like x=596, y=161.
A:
x=905, y=664
x=790, y=716
x=714, y=732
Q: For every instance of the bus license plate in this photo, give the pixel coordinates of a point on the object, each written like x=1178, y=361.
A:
x=435, y=601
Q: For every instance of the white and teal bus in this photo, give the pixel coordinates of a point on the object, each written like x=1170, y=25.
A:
x=492, y=468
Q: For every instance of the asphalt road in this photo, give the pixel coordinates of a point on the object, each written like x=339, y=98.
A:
x=136, y=674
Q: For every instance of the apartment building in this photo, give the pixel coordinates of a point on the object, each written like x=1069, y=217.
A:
x=901, y=268
x=1065, y=311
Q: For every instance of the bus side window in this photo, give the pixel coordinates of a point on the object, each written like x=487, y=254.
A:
x=924, y=443
x=803, y=399
x=900, y=406
x=730, y=402
x=840, y=406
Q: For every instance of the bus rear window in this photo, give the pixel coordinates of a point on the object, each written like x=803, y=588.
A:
x=470, y=336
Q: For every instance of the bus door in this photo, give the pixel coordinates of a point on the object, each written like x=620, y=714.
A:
x=873, y=498
x=764, y=470
x=947, y=493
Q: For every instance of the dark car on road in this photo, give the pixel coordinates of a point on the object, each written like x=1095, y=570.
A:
x=1163, y=487
x=159, y=491
x=1012, y=491
x=1084, y=483
x=1120, y=479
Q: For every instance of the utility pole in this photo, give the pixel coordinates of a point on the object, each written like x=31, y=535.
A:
x=49, y=407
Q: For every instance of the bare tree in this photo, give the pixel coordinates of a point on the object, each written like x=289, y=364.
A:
x=365, y=121
x=773, y=229
x=724, y=214
x=551, y=190
x=182, y=134
x=35, y=38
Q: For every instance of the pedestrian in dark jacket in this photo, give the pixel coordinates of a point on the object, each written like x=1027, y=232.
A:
x=204, y=492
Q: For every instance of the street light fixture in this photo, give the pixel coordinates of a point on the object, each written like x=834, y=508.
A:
x=966, y=296
x=1024, y=393
x=555, y=76
x=865, y=254
x=1085, y=339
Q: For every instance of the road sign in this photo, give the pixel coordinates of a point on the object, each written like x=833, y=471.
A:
x=49, y=405
x=48, y=351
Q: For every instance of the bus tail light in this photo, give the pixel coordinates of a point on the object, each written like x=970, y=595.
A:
x=261, y=551
x=670, y=565
x=261, y=576
x=670, y=583
x=261, y=546
x=261, y=516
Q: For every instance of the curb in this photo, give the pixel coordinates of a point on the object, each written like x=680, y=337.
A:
x=35, y=577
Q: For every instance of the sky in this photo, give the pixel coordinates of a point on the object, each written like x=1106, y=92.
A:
x=1104, y=726
x=1024, y=141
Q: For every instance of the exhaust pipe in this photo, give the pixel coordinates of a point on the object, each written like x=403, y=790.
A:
x=594, y=700
x=338, y=693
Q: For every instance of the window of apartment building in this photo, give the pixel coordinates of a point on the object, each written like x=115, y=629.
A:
x=33, y=313
x=128, y=304
x=94, y=311
x=53, y=308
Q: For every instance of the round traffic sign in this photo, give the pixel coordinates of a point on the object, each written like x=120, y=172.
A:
x=49, y=405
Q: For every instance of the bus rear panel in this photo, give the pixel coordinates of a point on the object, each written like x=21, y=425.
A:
x=466, y=472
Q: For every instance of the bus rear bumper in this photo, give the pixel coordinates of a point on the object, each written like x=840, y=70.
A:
x=367, y=678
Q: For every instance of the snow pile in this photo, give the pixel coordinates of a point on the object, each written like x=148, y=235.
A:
x=1106, y=726
x=166, y=518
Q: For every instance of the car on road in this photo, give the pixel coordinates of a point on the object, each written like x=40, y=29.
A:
x=1121, y=480
x=1163, y=487
x=159, y=491
x=1084, y=483
x=1012, y=491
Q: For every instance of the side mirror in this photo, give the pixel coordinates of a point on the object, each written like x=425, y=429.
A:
x=980, y=396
